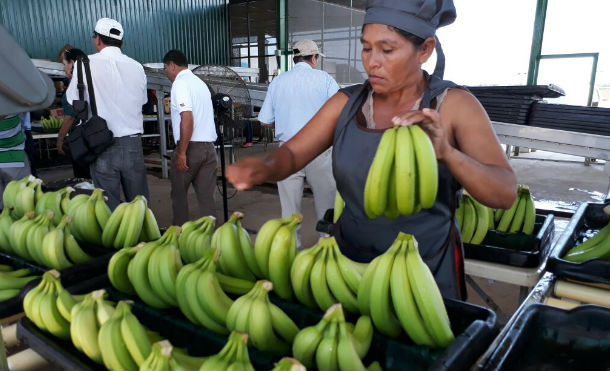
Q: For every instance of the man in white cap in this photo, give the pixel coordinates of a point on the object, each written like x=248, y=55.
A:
x=292, y=99
x=119, y=85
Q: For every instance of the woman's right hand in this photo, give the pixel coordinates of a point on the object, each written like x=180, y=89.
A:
x=60, y=146
x=247, y=173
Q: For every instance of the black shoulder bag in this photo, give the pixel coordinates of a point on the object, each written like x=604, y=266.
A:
x=90, y=136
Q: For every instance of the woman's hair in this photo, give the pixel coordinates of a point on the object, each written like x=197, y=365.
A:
x=73, y=54
x=416, y=40
x=60, y=55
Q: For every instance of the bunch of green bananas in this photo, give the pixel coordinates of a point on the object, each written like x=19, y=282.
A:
x=86, y=318
x=123, y=341
x=89, y=216
x=195, y=237
x=130, y=223
x=48, y=305
x=26, y=234
x=339, y=206
x=21, y=196
x=163, y=356
x=59, y=249
x=399, y=289
x=334, y=344
x=117, y=268
x=237, y=254
x=268, y=327
x=288, y=364
x=474, y=219
x=154, y=268
x=57, y=201
x=521, y=217
x=12, y=281
x=321, y=276
x=233, y=356
x=595, y=247
x=200, y=292
x=403, y=176
x=52, y=122
x=275, y=248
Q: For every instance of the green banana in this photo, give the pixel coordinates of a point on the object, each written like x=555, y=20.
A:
x=117, y=269
x=337, y=284
x=377, y=181
x=134, y=335
x=327, y=354
x=482, y=222
x=530, y=212
x=339, y=206
x=428, y=297
x=382, y=312
x=307, y=340
x=507, y=217
x=300, y=273
x=517, y=222
x=281, y=255
x=404, y=302
x=232, y=260
x=319, y=286
x=113, y=224
x=427, y=167
x=262, y=243
x=405, y=167
x=469, y=221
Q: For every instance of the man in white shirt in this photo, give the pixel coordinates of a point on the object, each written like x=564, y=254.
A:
x=292, y=99
x=119, y=84
x=194, y=160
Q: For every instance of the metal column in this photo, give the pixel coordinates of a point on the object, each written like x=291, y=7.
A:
x=162, y=134
x=539, y=21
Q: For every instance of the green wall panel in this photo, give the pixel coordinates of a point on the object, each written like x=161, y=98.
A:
x=198, y=27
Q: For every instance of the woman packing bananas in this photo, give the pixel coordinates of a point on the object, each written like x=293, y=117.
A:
x=444, y=142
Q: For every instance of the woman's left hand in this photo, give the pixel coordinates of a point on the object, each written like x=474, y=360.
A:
x=430, y=121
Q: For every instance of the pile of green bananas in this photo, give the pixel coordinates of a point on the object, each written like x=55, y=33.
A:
x=152, y=270
x=52, y=122
x=20, y=196
x=12, y=281
x=595, y=247
x=288, y=364
x=322, y=276
x=200, y=296
x=334, y=344
x=89, y=216
x=237, y=254
x=195, y=238
x=48, y=305
x=474, y=219
x=275, y=248
x=268, y=327
x=399, y=291
x=37, y=239
x=521, y=217
x=86, y=318
x=403, y=176
x=58, y=202
x=233, y=356
x=163, y=357
x=130, y=223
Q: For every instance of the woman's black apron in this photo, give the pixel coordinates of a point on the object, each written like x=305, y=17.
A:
x=361, y=238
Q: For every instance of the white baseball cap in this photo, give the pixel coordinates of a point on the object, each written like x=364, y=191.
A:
x=304, y=48
x=104, y=26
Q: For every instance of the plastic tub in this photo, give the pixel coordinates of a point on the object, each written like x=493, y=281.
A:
x=516, y=249
x=589, y=216
x=548, y=338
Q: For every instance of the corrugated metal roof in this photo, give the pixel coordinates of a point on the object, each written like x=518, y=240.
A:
x=197, y=27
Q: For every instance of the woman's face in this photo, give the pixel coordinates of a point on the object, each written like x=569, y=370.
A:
x=68, y=67
x=390, y=60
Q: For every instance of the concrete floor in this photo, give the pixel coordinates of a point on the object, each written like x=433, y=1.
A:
x=556, y=181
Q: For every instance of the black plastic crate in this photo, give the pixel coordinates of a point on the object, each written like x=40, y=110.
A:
x=69, y=276
x=548, y=338
x=588, y=216
x=13, y=305
x=57, y=351
x=474, y=327
x=516, y=249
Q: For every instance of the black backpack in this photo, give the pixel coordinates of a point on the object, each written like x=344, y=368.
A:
x=89, y=137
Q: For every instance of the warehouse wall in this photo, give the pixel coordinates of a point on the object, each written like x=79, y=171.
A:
x=152, y=27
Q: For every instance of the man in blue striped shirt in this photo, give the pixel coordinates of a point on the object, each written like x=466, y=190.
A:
x=14, y=163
